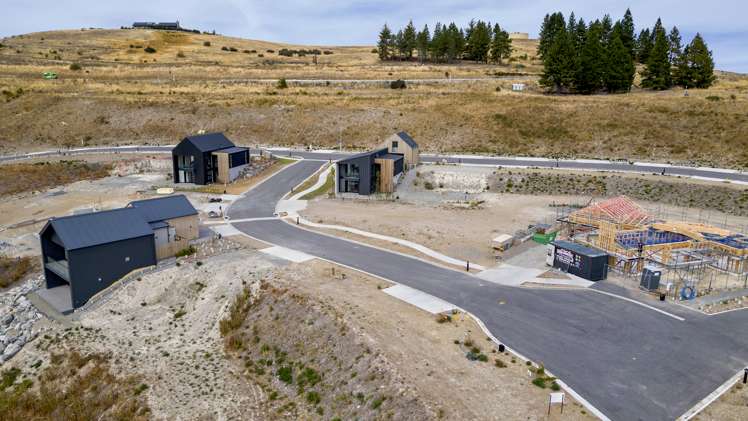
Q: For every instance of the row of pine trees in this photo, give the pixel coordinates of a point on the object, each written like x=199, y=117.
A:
x=480, y=42
x=602, y=56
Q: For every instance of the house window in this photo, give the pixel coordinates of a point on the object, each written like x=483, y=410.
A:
x=127, y=259
x=394, y=144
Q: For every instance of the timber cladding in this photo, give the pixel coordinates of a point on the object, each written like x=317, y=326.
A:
x=181, y=232
x=386, y=175
x=223, y=167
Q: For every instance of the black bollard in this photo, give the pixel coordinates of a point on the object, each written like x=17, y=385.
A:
x=745, y=375
x=501, y=347
x=467, y=266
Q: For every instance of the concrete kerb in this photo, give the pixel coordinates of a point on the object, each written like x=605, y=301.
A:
x=322, y=170
x=711, y=397
x=477, y=320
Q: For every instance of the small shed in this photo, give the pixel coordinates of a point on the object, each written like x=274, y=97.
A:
x=586, y=262
x=502, y=242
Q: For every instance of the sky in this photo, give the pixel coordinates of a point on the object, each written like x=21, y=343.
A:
x=722, y=23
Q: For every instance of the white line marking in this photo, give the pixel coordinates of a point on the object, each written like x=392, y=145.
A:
x=638, y=303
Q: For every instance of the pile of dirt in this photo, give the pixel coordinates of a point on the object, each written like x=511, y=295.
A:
x=310, y=361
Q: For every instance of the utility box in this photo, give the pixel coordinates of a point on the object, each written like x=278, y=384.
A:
x=650, y=278
x=586, y=262
x=502, y=242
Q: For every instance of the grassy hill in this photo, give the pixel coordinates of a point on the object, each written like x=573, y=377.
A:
x=123, y=94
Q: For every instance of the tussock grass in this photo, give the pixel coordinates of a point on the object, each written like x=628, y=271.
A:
x=72, y=387
x=14, y=269
x=19, y=178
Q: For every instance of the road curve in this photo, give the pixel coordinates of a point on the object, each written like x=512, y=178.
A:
x=628, y=361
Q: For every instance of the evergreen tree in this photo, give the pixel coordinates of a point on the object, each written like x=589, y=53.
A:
x=674, y=41
x=399, y=43
x=384, y=46
x=455, y=42
x=572, y=23
x=592, y=61
x=479, y=41
x=501, y=45
x=559, y=63
x=620, y=71
x=552, y=25
x=437, y=46
x=657, y=72
x=681, y=70
x=607, y=29
x=409, y=39
x=627, y=32
x=700, y=62
x=644, y=45
x=579, y=35
x=423, y=41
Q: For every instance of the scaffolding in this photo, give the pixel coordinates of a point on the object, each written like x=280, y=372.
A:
x=689, y=253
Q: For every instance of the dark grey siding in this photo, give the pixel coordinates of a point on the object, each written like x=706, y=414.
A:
x=186, y=148
x=93, y=269
x=399, y=166
x=365, y=164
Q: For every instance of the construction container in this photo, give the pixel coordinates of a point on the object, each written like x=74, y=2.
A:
x=502, y=242
x=586, y=262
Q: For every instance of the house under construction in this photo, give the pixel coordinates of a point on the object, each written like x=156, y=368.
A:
x=691, y=253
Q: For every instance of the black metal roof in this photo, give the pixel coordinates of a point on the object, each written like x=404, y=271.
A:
x=375, y=153
x=579, y=249
x=209, y=142
x=407, y=139
x=392, y=156
x=163, y=208
x=93, y=229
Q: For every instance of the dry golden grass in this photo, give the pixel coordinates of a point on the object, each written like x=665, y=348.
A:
x=73, y=387
x=118, y=99
x=13, y=270
x=18, y=178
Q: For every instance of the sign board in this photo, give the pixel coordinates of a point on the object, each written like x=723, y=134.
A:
x=556, y=398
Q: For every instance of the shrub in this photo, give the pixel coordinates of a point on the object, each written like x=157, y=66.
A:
x=260, y=55
x=482, y=357
x=149, y=50
x=206, y=43
x=141, y=388
x=374, y=51
x=180, y=54
x=186, y=251
x=233, y=49
x=428, y=185
x=282, y=83
x=327, y=52
x=555, y=387
x=245, y=51
x=75, y=66
x=224, y=48
x=539, y=382
x=313, y=398
x=443, y=318
x=713, y=98
x=397, y=84
x=376, y=403
x=14, y=269
x=237, y=313
x=285, y=374
x=270, y=51
x=499, y=363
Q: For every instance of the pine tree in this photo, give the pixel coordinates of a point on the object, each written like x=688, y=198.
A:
x=674, y=41
x=384, y=47
x=423, y=41
x=700, y=62
x=620, y=71
x=479, y=41
x=399, y=43
x=580, y=35
x=592, y=61
x=501, y=45
x=409, y=39
x=627, y=32
x=454, y=42
x=657, y=72
x=438, y=45
x=644, y=45
x=559, y=63
x=552, y=25
x=681, y=70
x=607, y=28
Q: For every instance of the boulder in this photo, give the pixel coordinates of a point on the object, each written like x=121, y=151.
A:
x=11, y=350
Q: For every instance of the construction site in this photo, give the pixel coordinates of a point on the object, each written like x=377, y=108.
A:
x=682, y=258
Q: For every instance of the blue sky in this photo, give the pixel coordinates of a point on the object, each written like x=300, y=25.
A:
x=354, y=22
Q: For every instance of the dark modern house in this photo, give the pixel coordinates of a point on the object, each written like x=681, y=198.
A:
x=208, y=158
x=369, y=172
x=86, y=253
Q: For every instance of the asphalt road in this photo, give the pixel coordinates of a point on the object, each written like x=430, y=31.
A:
x=430, y=158
x=630, y=362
